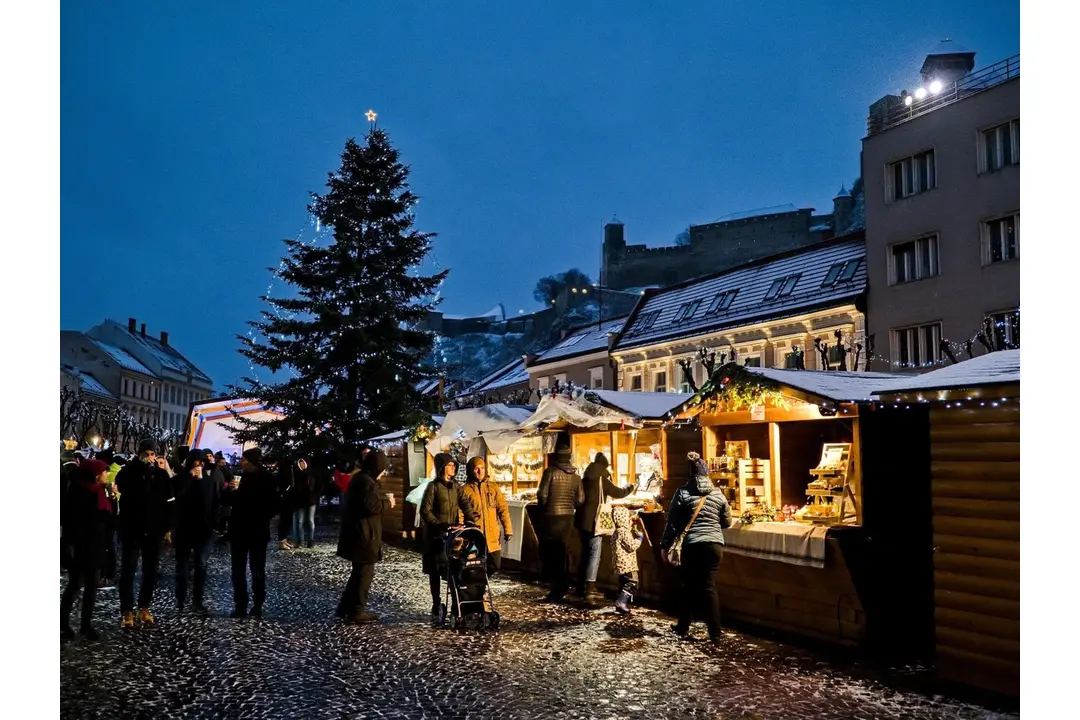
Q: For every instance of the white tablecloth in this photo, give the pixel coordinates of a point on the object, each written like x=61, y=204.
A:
x=512, y=549
x=793, y=543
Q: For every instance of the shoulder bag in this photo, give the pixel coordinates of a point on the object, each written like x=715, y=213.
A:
x=675, y=551
x=605, y=520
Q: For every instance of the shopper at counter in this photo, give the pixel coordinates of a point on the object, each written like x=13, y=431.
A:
x=559, y=496
x=699, y=512
x=598, y=486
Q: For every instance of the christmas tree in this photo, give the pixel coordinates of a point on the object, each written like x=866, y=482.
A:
x=347, y=335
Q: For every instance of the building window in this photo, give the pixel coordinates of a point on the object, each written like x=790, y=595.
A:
x=913, y=260
x=841, y=272
x=1000, y=146
x=686, y=311
x=172, y=394
x=722, y=301
x=596, y=378
x=1001, y=239
x=916, y=347
x=911, y=176
x=782, y=287
x=126, y=391
x=660, y=381
x=635, y=382
x=1006, y=329
x=542, y=383
x=644, y=322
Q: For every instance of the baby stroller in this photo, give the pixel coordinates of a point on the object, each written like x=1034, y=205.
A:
x=468, y=596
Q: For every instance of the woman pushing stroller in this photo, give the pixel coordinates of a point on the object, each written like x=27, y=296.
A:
x=443, y=507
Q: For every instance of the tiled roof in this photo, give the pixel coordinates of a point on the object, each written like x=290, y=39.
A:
x=510, y=374
x=88, y=383
x=774, y=287
x=124, y=359
x=581, y=342
x=169, y=357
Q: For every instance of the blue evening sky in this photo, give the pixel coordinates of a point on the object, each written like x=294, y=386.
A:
x=191, y=133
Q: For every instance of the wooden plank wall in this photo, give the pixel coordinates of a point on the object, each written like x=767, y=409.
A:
x=975, y=469
x=395, y=481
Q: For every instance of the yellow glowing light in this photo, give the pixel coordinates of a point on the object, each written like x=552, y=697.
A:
x=371, y=115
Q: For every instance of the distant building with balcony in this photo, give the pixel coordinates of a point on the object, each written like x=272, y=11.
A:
x=941, y=167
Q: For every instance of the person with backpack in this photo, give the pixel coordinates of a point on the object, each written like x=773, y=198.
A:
x=694, y=541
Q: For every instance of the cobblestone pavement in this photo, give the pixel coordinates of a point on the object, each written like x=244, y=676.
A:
x=546, y=662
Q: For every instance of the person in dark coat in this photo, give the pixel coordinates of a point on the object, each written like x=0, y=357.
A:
x=223, y=510
x=559, y=496
x=702, y=548
x=306, y=490
x=597, y=485
x=145, y=514
x=253, y=498
x=198, y=495
x=360, y=541
x=85, y=514
x=443, y=506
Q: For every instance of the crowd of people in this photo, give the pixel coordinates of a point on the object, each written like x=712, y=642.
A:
x=195, y=497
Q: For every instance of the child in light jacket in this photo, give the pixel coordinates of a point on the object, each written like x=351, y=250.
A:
x=625, y=542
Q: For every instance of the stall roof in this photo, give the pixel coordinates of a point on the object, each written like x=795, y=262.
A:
x=646, y=405
x=831, y=385
x=473, y=421
x=996, y=368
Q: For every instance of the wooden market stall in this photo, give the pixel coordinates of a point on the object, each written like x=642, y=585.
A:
x=628, y=428
x=409, y=464
x=974, y=443
x=788, y=448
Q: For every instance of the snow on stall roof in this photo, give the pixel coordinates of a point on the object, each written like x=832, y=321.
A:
x=399, y=435
x=829, y=384
x=124, y=359
x=996, y=368
x=648, y=405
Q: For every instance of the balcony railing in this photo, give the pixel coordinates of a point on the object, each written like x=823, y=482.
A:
x=965, y=87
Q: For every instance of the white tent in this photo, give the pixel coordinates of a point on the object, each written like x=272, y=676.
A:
x=496, y=425
x=578, y=412
x=211, y=423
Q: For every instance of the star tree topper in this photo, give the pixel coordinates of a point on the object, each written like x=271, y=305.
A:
x=371, y=115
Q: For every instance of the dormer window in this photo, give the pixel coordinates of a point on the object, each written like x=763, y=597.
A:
x=782, y=287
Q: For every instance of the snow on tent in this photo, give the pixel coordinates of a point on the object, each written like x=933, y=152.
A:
x=212, y=422
x=495, y=426
x=603, y=407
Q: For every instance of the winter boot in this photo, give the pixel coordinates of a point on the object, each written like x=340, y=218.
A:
x=622, y=603
x=128, y=621
x=363, y=617
x=591, y=595
x=145, y=618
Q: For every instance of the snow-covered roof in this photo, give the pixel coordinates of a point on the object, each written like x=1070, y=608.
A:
x=512, y=373
x=645, y=405
x=996, y=368
x=124, y=359
x=831, y=385
x=745, y=214
x=471, y=422
x=167, y=355
x=949, y=46
x=88, y=383
x=822, y=227
x=765, y=289
x=581, y=342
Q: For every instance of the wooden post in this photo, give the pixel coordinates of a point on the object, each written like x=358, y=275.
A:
x=774, y=460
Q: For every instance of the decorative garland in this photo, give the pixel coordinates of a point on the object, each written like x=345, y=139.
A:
x=733, y=388
x=500, y=466
x=532, y=465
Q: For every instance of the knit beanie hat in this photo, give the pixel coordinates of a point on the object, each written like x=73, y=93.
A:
x=253, y=455
x=148, y=445
x=698, y=468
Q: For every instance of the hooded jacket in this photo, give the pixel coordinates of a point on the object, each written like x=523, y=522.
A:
x=597, y=485
x=253, y=504
x=444, y=505
x=709, y=525
x=361, y=526
x=560, y=491
x=197, y=502
x=489, y=504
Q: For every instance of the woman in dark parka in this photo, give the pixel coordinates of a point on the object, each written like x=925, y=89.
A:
x=443, y=506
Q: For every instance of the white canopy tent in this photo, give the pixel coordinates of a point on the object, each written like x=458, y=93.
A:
x=496, y=425
x=211, y=423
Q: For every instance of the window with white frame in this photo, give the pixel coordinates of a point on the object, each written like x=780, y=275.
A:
x=1001, y=239
x=918, y=346
x=911, y=176
x=913, y=260
x=1006, y=329
x=635, y=382
x=660, y=381
x=596, y=378
x=1000, y=146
